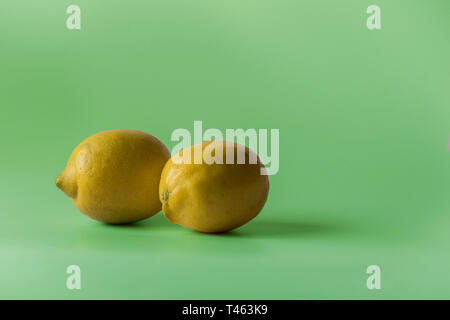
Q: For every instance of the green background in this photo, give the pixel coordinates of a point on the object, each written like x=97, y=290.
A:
x=364, y=127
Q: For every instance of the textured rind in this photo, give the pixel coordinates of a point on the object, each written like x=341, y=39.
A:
x=213, y=198
x=113, y=176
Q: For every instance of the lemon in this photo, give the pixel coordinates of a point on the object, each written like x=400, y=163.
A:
x=214, y=195
x=113, y=176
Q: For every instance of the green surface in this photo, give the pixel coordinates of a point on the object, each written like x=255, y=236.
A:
x=364, y=126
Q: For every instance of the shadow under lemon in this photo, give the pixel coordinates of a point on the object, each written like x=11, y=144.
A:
x=286, y=229
x=256, y=228
x=157, y=235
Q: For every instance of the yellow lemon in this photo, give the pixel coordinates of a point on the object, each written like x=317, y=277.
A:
x=214, y=195
x=113, y=176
